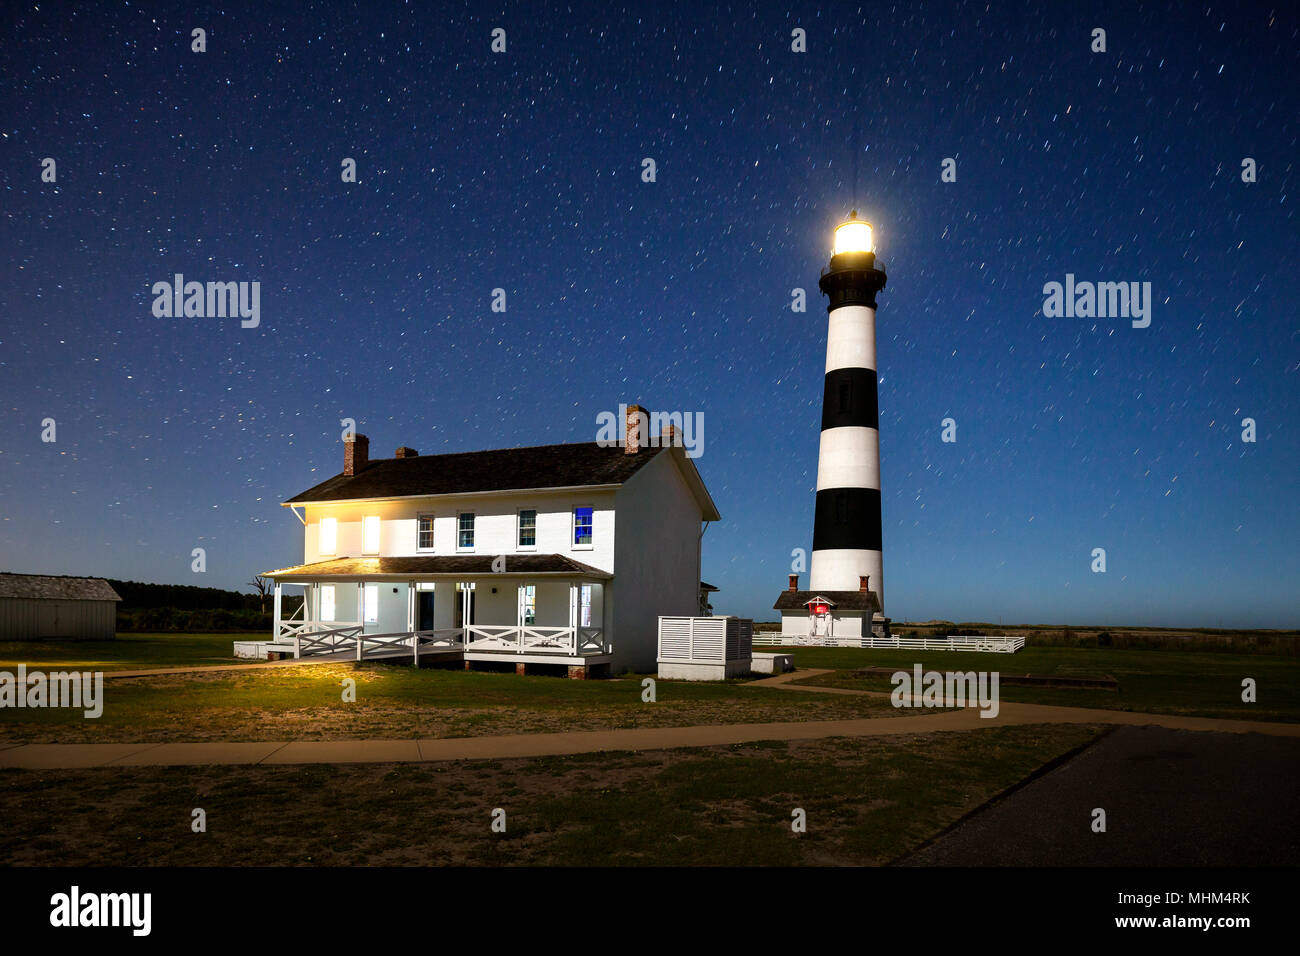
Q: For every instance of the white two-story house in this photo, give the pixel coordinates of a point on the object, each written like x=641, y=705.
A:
x=561, y=555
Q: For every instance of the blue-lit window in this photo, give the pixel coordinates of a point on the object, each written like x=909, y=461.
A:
x=582, y=527
x=465, y=530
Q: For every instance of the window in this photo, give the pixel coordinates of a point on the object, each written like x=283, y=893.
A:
x=582, y=527
x=329, y=535
x=424, y=533
x=584, y=606
x=465, y=530
x=370, y=534
x=528, y=528
x=327, y=602
x=372, y=603
x=529, y=604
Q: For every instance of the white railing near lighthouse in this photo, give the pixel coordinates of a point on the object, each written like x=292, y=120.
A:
x=993, y=644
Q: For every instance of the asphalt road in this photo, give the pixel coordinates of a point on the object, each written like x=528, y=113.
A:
x=1172, y=798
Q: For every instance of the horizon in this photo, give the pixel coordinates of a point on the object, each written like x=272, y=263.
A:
x=522, y=172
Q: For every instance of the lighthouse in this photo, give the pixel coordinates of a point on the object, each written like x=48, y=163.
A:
x=844, y=602
x=846, y=526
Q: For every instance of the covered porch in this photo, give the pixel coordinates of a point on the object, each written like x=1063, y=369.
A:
x=522, y=609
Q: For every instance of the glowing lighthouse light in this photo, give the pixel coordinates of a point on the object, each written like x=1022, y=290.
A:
x=853, y=236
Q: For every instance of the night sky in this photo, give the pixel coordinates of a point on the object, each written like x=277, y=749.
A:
x=523, y=171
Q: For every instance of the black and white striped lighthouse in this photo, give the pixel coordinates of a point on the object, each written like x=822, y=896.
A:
x=846, y=529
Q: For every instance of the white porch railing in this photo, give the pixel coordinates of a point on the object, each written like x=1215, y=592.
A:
x=312, y=638
x=288, y=629
x=325, y=639
x=531, y=639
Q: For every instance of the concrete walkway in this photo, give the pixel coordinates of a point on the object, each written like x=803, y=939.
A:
x=75, y=756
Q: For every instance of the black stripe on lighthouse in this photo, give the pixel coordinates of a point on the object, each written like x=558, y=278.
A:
x=849, y=398
x=847, y=518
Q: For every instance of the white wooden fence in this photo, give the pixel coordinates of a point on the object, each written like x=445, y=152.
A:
x=1000, y=644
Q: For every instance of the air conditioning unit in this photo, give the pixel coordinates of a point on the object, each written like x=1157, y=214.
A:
x=705, y=648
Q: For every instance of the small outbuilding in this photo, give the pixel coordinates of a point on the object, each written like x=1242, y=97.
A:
x=833, y=618
x=38, y=606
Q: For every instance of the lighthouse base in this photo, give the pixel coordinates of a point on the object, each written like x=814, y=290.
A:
x=842, y=569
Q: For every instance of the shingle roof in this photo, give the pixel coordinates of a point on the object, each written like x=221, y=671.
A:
x=54, y=587
x=468, y=564
x=503, y=469
x=843, y=600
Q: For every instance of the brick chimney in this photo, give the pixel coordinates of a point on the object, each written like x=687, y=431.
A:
x=862, y=583
x=670, y=436
x=794, y=582
x=356, y=454
x=636, y=424
x=405, y=452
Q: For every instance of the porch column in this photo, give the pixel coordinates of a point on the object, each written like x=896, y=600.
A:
x=520, y=604
x=410, y=607
x=276, y=612
x=575, y=643
x=361, y=604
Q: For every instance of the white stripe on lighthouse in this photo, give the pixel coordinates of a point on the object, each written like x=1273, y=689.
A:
x=851, y=338
x=838, y=570
x=849, y=458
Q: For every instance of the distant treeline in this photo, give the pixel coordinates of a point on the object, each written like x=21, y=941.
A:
x=184, y=607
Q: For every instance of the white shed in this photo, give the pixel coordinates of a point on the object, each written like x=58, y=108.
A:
x=37, y=606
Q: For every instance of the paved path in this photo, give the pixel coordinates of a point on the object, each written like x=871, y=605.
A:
x=1172, y=798
x=52, y=756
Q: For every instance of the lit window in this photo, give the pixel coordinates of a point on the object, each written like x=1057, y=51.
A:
x=327, y=602
x=465, y=530
x=372, y=603
x=582, y=527
x=530, y=604
x=528, y=528
x=584, y=618
x=424, y=533
x=370, y=534
x=329, y=535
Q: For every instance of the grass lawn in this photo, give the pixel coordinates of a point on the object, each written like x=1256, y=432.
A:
x=398, y=701
x=1190, y=683
x=867, y=802
x=129, y=652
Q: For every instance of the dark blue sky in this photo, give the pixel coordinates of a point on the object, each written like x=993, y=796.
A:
x=522, y=171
